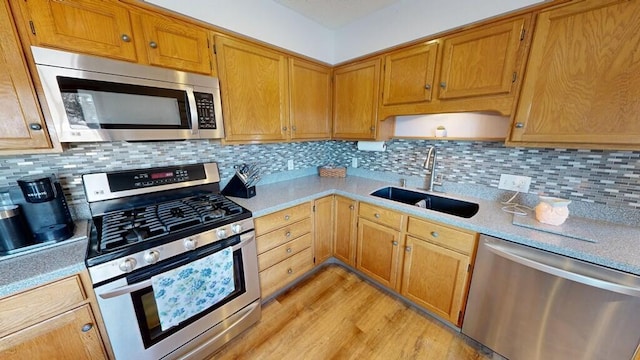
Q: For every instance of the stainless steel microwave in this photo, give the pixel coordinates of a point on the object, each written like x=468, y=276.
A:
x=97, y=99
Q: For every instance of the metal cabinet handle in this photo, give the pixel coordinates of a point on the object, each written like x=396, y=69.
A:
x=408, y=249
x=87, y=327
x=153, y=44
x=287, y=217
x=395, y=243
x=428, y=86
x=125, y=38
x=434, y=234
x=376, y=215
x=443, y=84
x=519, y=125
x=290, y=271
x=35, y=126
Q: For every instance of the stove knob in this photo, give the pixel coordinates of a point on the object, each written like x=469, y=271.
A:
x=151, y=257
x=128, y=264
x=222, y=233
x=190, y=244
x=236, y=228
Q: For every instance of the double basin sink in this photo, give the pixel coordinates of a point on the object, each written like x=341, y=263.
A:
x=441, y=204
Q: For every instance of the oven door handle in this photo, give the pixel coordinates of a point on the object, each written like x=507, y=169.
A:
x=245, y=239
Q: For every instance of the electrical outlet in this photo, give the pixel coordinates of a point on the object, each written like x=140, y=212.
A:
x=514, y=183
x=290, y=164
x=354, y=162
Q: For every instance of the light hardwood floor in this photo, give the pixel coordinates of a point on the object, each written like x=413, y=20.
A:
x=336, y=315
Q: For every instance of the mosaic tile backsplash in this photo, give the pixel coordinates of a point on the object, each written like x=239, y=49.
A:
x=603, y=177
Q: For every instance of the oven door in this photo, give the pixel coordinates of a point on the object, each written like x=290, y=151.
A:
x=131, y=317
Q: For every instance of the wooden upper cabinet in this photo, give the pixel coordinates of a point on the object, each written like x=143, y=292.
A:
x=355, y=100
x=21, y=125
x=481, y=61
x=95, y=27
x=173, y=44
x=253, y=81
x=409, y=74
x=310, y=100
x=582, y=85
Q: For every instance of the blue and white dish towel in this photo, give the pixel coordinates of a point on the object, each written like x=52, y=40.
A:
x=190, y=289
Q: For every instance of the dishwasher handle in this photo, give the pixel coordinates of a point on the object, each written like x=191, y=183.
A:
x=586, y=280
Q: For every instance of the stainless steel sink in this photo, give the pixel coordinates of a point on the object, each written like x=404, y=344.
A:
x=442, y=204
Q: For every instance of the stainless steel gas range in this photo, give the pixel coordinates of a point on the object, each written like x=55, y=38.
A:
x=170, y=226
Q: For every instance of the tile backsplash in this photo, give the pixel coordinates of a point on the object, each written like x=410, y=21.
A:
x=604, y=177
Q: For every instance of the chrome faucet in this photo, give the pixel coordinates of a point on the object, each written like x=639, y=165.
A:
x=431, y=166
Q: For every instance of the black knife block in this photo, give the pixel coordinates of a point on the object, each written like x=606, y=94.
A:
x=236, y=187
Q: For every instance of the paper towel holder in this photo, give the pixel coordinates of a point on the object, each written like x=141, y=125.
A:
x=372, y=146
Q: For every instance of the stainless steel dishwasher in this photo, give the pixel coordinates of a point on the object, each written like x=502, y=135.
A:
x=526, y=303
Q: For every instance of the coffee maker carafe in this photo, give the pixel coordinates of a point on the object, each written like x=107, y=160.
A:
x=45, y=208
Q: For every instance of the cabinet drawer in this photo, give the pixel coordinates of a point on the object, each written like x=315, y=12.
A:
x=279, y=275
x=381, y=215
x=457, y=240
x=27, y=308
x=280, y=236
x=283, y=251
x=270, y=222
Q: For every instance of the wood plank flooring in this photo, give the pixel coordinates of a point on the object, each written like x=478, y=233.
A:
x=336, y=315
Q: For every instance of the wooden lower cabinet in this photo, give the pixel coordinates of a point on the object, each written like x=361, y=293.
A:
x=53, y=321
x=345, y=230
x=284, y=240
x=323, y=210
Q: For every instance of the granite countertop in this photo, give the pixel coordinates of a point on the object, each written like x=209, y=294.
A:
x=619, y=250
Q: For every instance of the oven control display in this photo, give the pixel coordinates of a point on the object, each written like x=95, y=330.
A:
x=136, y=179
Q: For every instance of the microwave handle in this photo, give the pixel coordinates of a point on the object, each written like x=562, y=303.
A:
x=193, y=109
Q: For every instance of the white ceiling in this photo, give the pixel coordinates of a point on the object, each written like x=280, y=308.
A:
x=334, y=14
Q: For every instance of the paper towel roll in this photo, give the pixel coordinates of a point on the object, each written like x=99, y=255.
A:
x=372, y=146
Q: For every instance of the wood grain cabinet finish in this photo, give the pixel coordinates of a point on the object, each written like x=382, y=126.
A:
x=253, y=81
x=22, y=125
x=173, y=44
x=53, y=321
x=310, y=100
x=284, y=240
x=409, y=75
x=582, y=83
x=323, y=214
x=95, y=27
x=437, y=267
x=345, y=222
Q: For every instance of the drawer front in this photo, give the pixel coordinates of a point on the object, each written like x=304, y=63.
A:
x=270, y=222
x=283, y=251
x=457, y=240
x=280, y=236
x=281, y=274
x=381, y=215
x=33, y=306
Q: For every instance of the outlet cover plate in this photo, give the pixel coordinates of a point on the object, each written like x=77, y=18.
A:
x=290, y=164
x=514, y=183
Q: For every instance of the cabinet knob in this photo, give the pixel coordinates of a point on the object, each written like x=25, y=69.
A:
x=428, y=86
x=288, y=250
x=290, y=271
x=408, y=249
x=373, y=128
x=153, y=44
x=376, y=215
x=395, y=243
x=35, y=126
x=434, y=234
x=351, y=207
x=87, y=327
x=284, y=128
x=443, y=84
x=288, y=234
x=519, y=125
x=293, y=128
x=125, y=38
x=287, y=217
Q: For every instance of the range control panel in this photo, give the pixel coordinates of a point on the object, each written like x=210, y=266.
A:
x=135, y=179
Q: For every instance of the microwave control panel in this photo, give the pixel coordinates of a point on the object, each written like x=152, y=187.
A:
x=206, y=113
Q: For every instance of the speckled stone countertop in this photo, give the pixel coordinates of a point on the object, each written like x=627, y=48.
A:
x=619, y=250
x=35, y=267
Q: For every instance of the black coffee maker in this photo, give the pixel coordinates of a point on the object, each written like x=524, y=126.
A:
x=43, y=203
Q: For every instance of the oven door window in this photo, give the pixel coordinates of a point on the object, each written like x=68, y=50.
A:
x=106, y=105
x=147, y=312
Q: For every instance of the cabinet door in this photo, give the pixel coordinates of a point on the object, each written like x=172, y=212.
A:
x=481, y=61
x=310, y=100
x=582, y=83
x=435, y=278
x=254, y=87
x=408, y=75
x=174, y=44
x=323, y=224
x=344, y=247
x=22, y=125
x=355, y=100
x=95, y=27
x=378, y=252
x=71, y=335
